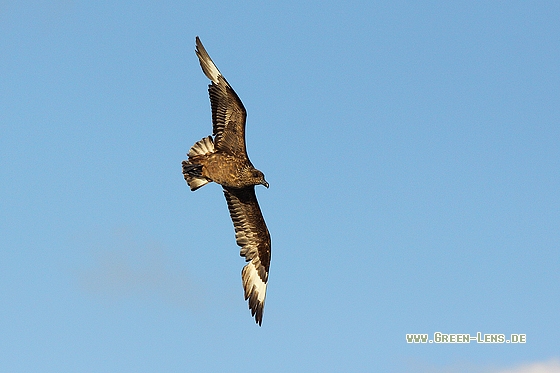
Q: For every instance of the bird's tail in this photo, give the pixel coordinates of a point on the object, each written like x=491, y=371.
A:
x=192, y=171
x=193, y=175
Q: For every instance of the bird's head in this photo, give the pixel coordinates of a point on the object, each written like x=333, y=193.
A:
x=258, y=178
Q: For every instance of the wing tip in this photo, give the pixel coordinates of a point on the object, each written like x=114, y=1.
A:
x=208, y=66
x=256, y=307
x=255, y=291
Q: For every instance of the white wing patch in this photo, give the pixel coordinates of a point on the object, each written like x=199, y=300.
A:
x=208, y=66
x=252, y=280
x=255, y=288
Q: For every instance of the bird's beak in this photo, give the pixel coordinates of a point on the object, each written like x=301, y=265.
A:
x=265, y=184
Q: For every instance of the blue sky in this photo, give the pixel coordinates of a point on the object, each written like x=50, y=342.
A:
x=412, y=151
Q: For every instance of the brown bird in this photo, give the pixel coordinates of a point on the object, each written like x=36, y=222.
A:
x=224, y=160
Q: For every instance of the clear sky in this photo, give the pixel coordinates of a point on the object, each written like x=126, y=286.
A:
x=412, y=151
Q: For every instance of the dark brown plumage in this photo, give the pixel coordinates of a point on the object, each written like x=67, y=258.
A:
x=223, y=160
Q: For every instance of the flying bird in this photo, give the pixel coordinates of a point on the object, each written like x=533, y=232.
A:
x=223, y=159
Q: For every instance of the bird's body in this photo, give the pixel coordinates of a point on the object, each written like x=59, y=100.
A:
x=226, y=170
x=223, y=159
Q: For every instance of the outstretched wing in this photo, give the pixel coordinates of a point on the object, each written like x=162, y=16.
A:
x=253, y=237
x=228, y=113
